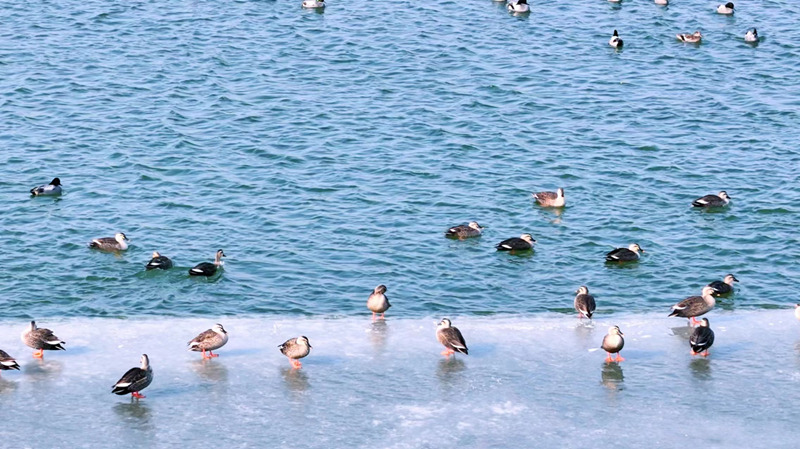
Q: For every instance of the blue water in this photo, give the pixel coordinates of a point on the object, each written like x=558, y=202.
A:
x=327, y=153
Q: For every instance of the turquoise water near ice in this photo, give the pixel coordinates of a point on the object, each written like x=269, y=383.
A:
x=326, y=153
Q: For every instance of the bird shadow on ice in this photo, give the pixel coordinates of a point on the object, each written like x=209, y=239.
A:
x=378, y=333
x=611, y=376
x=7, y=386
x=701, y=368
x=210, y=370
x=684, y=332
x=450, y=371
x=134, y=412
x=41, y=369
x=296, y=380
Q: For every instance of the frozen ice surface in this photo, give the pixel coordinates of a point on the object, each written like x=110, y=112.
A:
x=528, y=382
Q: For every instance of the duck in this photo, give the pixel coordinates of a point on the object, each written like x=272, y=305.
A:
x=629, y=254
x=472, y=229
x=551, y=199
x=209, y=340
x=450, y=337
x=135, y=380
x=378, y=302
x=695, y=306
x=52, y=189
x=518, y=6
x=7, y=362
x=751, y=35
x=208, y=268
x=719, y=200
x=662, y=2
x=613, y=344
x=41, y=340
x=726, y=9
x=702, y=338
x=584, y=302
x=724, y=286
x=615, y=41
x=158, y=262
x=524, y=242
x=692, y=38
x=294, y=349
x=313, y=4
x=116, y=243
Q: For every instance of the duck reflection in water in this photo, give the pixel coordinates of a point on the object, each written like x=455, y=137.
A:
x=296, y=380
x=378, y=335
x=611, y=376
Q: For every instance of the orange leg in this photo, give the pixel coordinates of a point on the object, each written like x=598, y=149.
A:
x=137, y=395
x=383, y=316
x=38, y=354
x=448, y=352
x=694, y=321
x=705, y=354
x=295, y=363
x=608, y=358
x=693, y=353
x=374, y=315
x=211, y=354
x=619, y=358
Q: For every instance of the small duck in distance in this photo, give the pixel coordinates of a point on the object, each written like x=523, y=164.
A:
x=719, y=200
x=158, y=262
x=629, y=254
x=110, y=244
x=615, y=41
x=313, y=4
x=135, y=380
x=378, y=302
x=551, y=199
x=209, y=340
x=207, y=268
x=693, y=38
x=751, y=35
x=52, y=189
x=662, y=2
x=518, y=6
x=613, y=344
x=524, y=242
x=723, y=287
x=473, y=229
x=295, y=349
x=726, y=9
x=584, y=302
x=450, y=337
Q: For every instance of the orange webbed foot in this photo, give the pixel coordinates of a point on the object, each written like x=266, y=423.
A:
x=137, y=395
x=619, y=358
x=38, y=354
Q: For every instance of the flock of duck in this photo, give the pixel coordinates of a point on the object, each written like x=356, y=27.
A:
x=138, y=378
x=522, y=7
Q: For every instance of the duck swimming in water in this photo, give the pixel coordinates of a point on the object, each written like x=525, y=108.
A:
x=751, y=35
x=450, y=337
x=294, y=349
x=117, y=243
x=551, y=199
x=41, y=340
x=135, y=380
x=613, y=344
x=615, y=41
x=378, y=302
x=693, y=38
x=158, y=262
x=312, y=4
x=629, y=254
x=702, y=338
x=209, y=340
x=54, y=188
x=719, y=200
x=724, y=286
x=726, y=9
x=207, y=268
x=524, y=242
x=695, y=306
x=518, y=6
x=473, y=229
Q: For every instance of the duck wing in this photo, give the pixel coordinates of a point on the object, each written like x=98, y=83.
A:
x=135, y=379
x=451, y=338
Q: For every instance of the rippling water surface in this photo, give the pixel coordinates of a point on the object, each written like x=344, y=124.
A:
x=327, y=153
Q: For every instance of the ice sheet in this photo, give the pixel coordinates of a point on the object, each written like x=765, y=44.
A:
x=528, y=382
